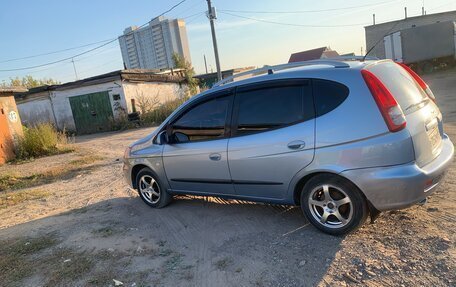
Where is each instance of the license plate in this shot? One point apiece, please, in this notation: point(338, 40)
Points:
point(434, 137)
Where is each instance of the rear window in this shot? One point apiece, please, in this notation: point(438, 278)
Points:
point(328, 95)
point(398, 81)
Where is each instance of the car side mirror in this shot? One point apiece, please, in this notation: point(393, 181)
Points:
point(162, 138)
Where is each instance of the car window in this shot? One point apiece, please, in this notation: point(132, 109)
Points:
point(272, 107)
point(204, 121)
point(328, 95)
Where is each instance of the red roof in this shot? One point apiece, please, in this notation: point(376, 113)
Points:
point(314, 54)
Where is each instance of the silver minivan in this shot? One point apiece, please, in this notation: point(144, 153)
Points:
point(342, 139)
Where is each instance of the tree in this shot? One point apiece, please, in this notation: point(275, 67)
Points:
point(181, 63)
point(29, 82)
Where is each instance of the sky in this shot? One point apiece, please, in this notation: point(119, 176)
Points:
point(30, 29)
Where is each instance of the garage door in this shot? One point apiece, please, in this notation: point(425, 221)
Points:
point(6, 150)
point(92, 112)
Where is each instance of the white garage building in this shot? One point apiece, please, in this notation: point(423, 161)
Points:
point(90, 105)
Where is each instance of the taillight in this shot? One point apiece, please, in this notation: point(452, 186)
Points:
point(390, 110)
point(420, 81)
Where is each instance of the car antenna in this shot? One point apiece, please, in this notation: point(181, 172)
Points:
point(375, 45)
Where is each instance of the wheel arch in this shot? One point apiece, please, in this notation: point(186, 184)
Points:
point(134, 172)
point(303, 180)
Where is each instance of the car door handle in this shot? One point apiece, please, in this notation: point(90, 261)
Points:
point(215, 156)
point(296, 145)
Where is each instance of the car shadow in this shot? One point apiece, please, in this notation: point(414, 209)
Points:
point(226, 242)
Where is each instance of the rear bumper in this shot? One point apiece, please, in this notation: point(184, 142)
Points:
point(396, 187)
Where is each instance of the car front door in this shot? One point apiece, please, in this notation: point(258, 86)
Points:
point(195, 159)
point(272, 137)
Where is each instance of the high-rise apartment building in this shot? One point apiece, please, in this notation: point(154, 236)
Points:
point(152, 46)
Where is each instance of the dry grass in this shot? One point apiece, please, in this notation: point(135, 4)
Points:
point(85, 160)
point(15, 181)
point(42, 140)
point(15, 263)
point(8, 199)
point(65, 266)
point(159, 114)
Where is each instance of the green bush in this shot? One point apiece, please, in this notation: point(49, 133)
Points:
point(42, 140)
point(159, 114)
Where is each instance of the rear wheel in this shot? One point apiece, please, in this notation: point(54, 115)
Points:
point(150, 189)
point(333, 204)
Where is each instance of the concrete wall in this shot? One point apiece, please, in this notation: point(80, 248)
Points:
point(375, 33)
point(38, 110)
point(151, 93)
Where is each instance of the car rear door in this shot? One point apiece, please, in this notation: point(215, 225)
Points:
point(424, 120)
point(272, 137)
point(195, 160)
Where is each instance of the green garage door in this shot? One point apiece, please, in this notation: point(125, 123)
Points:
point(92, 112)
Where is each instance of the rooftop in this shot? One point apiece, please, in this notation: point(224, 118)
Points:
point(224, 73)
point(314, 54)
point(8, 91)
point(132, 75)
point(412, 18)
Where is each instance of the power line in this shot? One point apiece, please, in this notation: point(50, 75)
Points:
point(54, 52)
point(61, 60)
point(306, 11)
point(88, 51)
point(295, 25)
point(195, 18)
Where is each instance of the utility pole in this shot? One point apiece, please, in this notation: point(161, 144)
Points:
point(373, 18)
point(205, 63)
point(405, 11)
point(74, 67)
point(211, 15)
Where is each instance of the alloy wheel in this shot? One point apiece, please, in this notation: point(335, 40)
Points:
point(330, 206)
point(149, 189)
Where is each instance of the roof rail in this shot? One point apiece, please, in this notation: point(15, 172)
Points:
point(354, 58)
point(271, 69)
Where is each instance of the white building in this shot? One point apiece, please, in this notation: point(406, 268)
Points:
point(93, 104)
point(152, 46)
point(376, 33)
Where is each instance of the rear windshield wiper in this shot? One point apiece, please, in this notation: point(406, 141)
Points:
point(416, 104)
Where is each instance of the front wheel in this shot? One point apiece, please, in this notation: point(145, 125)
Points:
point(333, 204)
point(150, 189)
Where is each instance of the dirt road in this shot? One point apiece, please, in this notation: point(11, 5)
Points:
point(90, 229)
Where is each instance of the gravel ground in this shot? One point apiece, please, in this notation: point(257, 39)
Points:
point(92, 229)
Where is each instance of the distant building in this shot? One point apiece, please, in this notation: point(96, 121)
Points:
point(376, 33)
point(314, 54)
point(208, 80)
point(152, 46)
point(94, 104)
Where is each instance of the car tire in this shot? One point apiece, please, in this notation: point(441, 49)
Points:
point(333, 204)
point(151, 190)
